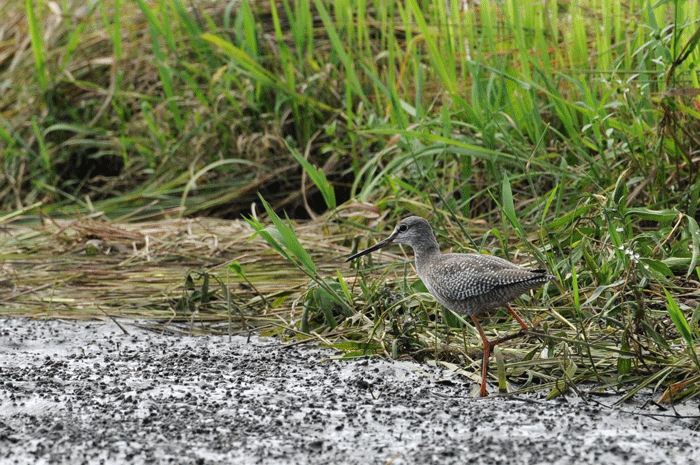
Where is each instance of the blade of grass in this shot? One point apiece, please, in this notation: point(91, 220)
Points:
point(682, 325)
point(317, 176)
point(38, 48)
point(694, 232)
point(158, 31)
point(352, 79)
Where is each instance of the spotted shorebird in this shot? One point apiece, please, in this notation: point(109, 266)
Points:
point(465, 283)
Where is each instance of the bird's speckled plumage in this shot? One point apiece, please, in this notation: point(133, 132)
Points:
point(473, 284)
point(465, 283)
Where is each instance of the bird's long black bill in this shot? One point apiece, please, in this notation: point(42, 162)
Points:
point(378, 245)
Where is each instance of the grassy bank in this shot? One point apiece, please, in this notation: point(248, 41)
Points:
point(558, 134)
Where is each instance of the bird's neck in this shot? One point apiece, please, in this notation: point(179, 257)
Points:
point(426, 253)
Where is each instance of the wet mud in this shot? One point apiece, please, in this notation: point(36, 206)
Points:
point(75, 392)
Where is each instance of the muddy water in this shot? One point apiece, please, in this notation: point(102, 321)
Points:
point(75, 392)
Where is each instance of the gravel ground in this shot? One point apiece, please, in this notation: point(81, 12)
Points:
point(74, 392)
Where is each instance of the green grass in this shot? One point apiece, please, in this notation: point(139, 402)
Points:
point(560, 134)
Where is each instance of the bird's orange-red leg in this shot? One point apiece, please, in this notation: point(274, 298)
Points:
point(515, 315)
point(488, 346)
point(485, 361)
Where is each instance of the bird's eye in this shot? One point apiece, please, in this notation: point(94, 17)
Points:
point(402, 227)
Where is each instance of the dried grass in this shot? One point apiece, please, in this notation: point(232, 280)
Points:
point(87, 268)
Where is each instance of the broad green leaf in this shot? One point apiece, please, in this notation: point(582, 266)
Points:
point(678, 319)
point(662, 216)
point(681, 324)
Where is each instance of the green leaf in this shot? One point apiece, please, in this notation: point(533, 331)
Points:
point(205, 288)
point(507, 199)
point(288, 238)
point(344, 287)
point(551, 197)
point(619, 196)
point(508, 207)
point(679, 320)
point(236, 267)
point(271, 236)
point(318, 177)
point(599, 290)
point(451, 319)
point(37, 45)
point(662, 216)
point(658, 267)
point(570, 217)
point(614, 229)
point(574, 285)
point(695, 238)
point(624, 358)
point(561, 386)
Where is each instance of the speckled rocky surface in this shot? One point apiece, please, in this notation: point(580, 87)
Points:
point(87, 393)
